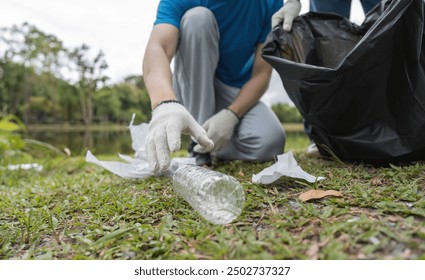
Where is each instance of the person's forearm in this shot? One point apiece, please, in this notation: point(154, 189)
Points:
point(157, 75)
point(251, 93)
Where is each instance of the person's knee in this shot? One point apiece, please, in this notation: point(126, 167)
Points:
point(272, 145)
point(264, 147)
point(197, 20)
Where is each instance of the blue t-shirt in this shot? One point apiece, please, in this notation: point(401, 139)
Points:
point(243, 24)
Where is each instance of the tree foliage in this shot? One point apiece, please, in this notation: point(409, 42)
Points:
point(287, 113)
point(11, 142)
point(33, 65)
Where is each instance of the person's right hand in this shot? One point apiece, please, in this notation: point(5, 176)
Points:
point(169, 121)
point(286, 15)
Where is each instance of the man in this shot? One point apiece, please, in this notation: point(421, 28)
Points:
point(218, 79)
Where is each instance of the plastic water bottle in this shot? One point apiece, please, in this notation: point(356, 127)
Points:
point(217, 197)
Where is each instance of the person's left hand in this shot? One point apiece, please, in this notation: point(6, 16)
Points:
point(290, 10)
point(219, 129)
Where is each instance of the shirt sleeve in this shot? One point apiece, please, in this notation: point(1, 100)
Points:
point(171, 12)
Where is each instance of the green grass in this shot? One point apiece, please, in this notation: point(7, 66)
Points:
point(75, 210)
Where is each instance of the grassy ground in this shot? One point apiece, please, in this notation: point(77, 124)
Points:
point(74, 210)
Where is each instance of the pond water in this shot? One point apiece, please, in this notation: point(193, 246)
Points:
point(112, 142)
point(79, 141)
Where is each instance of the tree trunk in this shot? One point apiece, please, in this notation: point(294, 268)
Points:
point(83, 106)
point(27, 99)
point(89, 107)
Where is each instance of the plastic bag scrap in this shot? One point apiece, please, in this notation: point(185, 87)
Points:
point(286, 165)
point(25, 166)
point(137, 167)
point(361, 88)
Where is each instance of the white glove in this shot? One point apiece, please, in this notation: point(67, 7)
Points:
point(169, 121)
point(290, 10)
point(220, 129)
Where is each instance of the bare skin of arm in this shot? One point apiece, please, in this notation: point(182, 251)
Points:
point(252, 91)
point(156, 63)
point(158, 77)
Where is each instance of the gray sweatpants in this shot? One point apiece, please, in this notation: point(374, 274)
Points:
point(259, 136)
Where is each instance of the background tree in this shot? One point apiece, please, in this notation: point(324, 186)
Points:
point(287, 113)
point(91, 78)
point(32, 84)
point(35, 52)
point(11, 87)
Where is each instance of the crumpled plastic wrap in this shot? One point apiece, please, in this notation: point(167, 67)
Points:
point(286, 165)
point(25, 166)
point(137, 167)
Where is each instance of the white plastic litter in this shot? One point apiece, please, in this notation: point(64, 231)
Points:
point(25, 166)
point(286, 165)
point(137, 167)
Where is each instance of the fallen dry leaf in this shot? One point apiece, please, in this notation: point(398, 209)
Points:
point(67, 151)
point(313, 251)
point(376, 181)
point(318, 194)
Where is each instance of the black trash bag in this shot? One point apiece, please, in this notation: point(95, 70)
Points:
point(361, 88)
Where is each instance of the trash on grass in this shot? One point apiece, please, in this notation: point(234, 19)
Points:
point(137, 167)
point(25, 166)
point(318, 194)
point(286, 165)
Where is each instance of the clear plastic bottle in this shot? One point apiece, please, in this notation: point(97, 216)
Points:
point(219, 198)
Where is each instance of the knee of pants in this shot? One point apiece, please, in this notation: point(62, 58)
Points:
point(266, 147)
point(196, 21)
point(272, 145)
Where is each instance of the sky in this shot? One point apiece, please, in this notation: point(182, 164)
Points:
point(119, 28)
